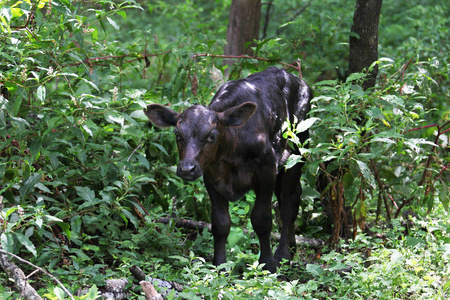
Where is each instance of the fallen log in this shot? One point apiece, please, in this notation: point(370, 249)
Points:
point(164, 286)
point(137, 273)
point(200, 225)
point(149, 291)
point(115, 289)
point(22, 283)
point(187, 224)
point(20, 280)
point(15, 273)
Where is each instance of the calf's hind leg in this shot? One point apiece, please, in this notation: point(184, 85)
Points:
point(288, 190)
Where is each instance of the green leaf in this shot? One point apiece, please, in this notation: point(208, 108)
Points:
point(113, 23)
point(29, 232)
point(90, 83)
point(314, 167)
point(79, 38)
point(394, 99)
point(81, 255)
point(143, 161)
point(130, 217)
point(161, 148)
point(88, 130)
point(293, 159)
point(412, 241)
point(123, 14)
point(66, 229)
point(75, 225)
point(7, 241)
point(93, 293)
point(351, 188)
point(18, 102)
point(314, 269)
point(374, 112)
point(5, 12)
point(383, 140)
point(355, 76)
point(325, 82)
point(29, 184)
point(236, 234)
point(25, 241)
point(88, 247)
point(51, 218)
point(59, 293)
point(366, 173)
point(259, 46)
point(446, 286)
point(396, 257)
point(182, 259)
point(19, 121)
point(16, 12)
point(10, 211)
point(41, 93)
point(305, 124)
point(446, 249)
point(86, 193)
point(39, 221)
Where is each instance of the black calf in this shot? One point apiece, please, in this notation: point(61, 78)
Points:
point(236, 143)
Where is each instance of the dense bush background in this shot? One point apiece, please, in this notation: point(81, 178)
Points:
point(85, 178)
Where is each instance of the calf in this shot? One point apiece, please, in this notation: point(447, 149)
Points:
point(236, 143)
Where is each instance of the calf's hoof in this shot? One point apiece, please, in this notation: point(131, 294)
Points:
point(281, 254)
point(270, 265)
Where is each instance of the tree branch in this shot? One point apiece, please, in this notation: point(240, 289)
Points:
point(145, 56)
point(267, 18)
point(298, 13)
point(289, 66)
point(29, 19)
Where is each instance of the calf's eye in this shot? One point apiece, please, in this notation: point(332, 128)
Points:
point(211, 138)
point(177, 135)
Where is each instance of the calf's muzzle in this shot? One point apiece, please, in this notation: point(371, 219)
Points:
point(189, 170)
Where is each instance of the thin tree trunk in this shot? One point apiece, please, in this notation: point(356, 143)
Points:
point(364, 49)
point(243, 27)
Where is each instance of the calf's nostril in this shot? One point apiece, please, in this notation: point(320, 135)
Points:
point(189, 170)
point(187, 167)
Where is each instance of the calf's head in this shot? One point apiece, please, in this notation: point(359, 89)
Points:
point(199, 131)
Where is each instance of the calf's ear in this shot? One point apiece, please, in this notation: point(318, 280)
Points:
point(161, 116)
point(238, 115)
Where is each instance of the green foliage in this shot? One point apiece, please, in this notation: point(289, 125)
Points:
point(84, 179)
point(365, 140)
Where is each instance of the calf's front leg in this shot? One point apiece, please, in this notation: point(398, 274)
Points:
point(221, 223)
point(262, 217)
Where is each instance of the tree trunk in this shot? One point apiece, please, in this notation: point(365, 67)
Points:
point(243, 27)
point(364, 50)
